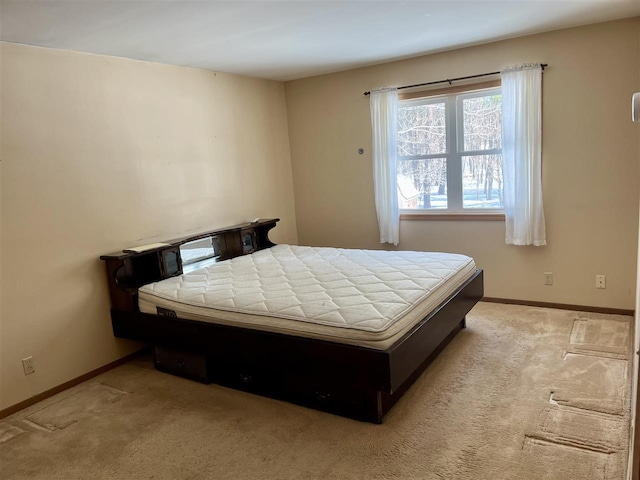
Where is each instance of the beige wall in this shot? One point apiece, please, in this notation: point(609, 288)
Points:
point(590, 163)
point(101, 153)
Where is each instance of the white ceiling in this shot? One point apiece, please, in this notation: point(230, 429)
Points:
point(285, 40)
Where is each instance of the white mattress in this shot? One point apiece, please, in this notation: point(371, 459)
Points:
point(360, 297)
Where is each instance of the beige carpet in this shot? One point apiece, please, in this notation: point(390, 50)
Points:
point(522, 393)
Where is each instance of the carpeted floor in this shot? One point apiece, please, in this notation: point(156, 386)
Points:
point(523, 393)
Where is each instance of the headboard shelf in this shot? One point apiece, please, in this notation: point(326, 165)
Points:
point(127, 271)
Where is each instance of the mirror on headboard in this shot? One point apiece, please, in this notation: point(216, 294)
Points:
point(199, 253)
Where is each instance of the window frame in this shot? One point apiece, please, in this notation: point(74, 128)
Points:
point(454, 151)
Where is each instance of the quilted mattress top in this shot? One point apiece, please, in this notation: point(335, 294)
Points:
point(366, 290)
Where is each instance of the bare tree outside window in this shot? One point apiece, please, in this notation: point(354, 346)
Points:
point(482, 131)
point(422, 132)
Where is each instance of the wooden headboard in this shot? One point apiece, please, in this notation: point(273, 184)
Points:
point(128, 271)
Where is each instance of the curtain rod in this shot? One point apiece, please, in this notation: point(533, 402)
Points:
point(449, 80)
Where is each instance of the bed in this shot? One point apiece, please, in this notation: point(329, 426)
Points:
point(344, 331)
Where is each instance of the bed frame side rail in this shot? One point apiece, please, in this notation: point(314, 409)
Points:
point(413, 352)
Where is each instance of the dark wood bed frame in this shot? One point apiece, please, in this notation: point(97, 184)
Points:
point(356, 382)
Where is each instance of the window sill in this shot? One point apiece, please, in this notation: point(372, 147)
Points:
point(453, 216)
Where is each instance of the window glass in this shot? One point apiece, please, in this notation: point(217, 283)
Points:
point(422, 183)
point(482, 122)
point(482, 181)
point(422, 129)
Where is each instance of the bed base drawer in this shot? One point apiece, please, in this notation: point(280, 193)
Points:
point(356, 403)
point(182, 364)
point(353, 402)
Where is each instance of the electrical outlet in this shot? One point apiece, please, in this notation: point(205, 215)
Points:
point(27, 366)
point(601, 281)
point(548, 278)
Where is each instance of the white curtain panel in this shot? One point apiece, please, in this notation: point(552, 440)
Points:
point(522, 154)
point(384, 123)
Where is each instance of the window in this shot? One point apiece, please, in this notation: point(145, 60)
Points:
point(450, 153)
